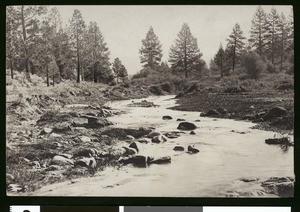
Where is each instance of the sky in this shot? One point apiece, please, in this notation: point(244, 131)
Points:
point(124, 27)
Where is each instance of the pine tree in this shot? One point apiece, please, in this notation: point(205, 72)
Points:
point(219, 59)
point(97, 50)
point(116, 67)
point(150, 51)
point(185, 54)
point(123, 73)
point(77, 29)
point(29, 29)
point(258, 31)
point(11, 37)
point(236, 43)
point(283, 39)
point(271, 35)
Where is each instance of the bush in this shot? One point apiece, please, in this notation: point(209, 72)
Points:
point(270, 67)
point(254, 65)
point(156, 89)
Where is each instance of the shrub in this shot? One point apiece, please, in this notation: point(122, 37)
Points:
point(270, 67)
point(254, 65)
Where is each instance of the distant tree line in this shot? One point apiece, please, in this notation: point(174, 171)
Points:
point(38, 43)
point(270, 47)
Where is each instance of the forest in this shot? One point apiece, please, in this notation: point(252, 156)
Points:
point(38, 43)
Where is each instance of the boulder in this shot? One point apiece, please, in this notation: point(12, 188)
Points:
point(178, 148)
point(55, 135)
point(91, 119)
point(186, 126)
point(134, 146)
point(210, 113)
point(89, 162)
point(159, 139)
point(61, 161)
point(160, 160)
point(281, 186)
point(179, 119)
point(129, 151)
point(192, 149)
point(167, 118)
point(274, 113)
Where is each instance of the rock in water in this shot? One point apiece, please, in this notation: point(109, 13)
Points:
point(153, 134)
point(192, 133)
point(192, 149)
point(186, 126)
point(278, 141)
point(61, 161)
point(178, 148)
point(137, 160)
point(179, 119)
point(167, 118)
point(275, 112)
point(134, 146)
point(159, 139)
point(129, 151)
point(161, 160)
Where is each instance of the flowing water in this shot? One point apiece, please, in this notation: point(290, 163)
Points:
point(229, 150)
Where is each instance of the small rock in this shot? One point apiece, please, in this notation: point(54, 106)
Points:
point(61, 161)
point(159, 139)
point(178, 148)
point(179, 119)
point(192, 133)
point(186, 126)
point(84, 139)
point(17, 188)
point(87, 152)
point(210, 113)
point(130, 137)
point(167, 118)
point(46, 131)
point(153, 134)
point(249, 179)
point(55, 135)
point(144, 140)
point(89, 162)
point(192, 149)
point(197, 120)
point(172, 135)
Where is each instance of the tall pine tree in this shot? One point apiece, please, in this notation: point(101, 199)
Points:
point(258, 31)
point(77, 27)
point(236, 43)
point(151, 51)
point(185, 54)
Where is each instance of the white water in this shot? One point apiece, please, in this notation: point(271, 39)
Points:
point(224, 157)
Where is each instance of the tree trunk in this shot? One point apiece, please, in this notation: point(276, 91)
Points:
point(78, 63)
point(53, 79)
point(185, 61)
point(95, 72)
point(47, 71)
point(25, 46)
point(233, 58)
point(11, 69)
